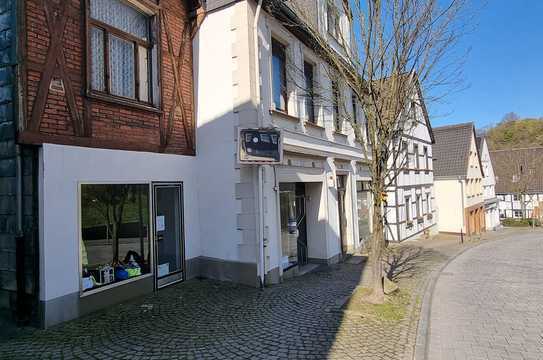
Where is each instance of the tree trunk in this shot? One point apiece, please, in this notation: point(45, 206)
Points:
point(377, 248)
point(115, 241)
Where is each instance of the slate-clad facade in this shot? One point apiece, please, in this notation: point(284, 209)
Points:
point(18, 201)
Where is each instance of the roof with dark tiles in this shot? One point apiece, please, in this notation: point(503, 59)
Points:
point(518, 170)
point(451, 149)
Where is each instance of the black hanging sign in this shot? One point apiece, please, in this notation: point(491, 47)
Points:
point(260, 146)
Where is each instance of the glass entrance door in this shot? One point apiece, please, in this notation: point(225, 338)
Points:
point(341, 189)
point(363, 207)
point(168, 213)
point(293, 225)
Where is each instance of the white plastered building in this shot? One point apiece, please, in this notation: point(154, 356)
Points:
point(245, 210)
point(492, 211)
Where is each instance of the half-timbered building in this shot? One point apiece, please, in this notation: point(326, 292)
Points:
point(99, 142)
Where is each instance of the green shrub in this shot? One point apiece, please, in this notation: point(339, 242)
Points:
point(520, 222)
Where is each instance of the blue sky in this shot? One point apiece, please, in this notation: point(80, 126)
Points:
point(504, 70)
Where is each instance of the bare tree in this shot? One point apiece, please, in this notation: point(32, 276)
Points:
point(109, 201)
point(391, 50)
point(509, 117)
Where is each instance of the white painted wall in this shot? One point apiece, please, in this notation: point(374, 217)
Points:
point(492, 217)
point(214, 75)
point(317, 220)
point(449, 202)
point(62, 168)
point(489, 180)
point(474, 178)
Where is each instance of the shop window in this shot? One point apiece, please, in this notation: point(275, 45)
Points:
point(115, 242)
point(122, 55)
point(279, 76)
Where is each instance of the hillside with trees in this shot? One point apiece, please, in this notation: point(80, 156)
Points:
point(513, 132)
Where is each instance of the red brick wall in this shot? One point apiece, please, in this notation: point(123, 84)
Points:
point(108, 125)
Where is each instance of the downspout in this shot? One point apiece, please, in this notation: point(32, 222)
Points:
point(260, 243)
point(463, 209)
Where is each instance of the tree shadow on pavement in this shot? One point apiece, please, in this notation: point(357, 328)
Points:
point(406, 261)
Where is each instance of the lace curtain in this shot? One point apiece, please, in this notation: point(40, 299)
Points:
point(121, 63)
point(121, 57)
point(121, 16)
point(97, 60)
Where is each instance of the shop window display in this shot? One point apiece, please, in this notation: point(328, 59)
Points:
point(115, 242)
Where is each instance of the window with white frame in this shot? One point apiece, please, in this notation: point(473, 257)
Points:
point(408, 208)
point(426, 163)
point(354, 107)
point(404, 158)
point(418, 206)
point(309, 74)
point(123, 60)
point(333, 20)
point(336, 103)
point(416, 155)
point(279, 76)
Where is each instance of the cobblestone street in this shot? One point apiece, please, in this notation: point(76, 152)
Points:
point(487, 303)
point(301, 318)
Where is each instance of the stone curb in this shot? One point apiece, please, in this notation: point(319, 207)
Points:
point(423, 328)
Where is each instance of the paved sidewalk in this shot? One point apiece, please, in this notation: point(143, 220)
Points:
point(203, 319)
point(488, 302)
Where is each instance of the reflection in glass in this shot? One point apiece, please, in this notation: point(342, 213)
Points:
point(115, 242)
point(289, 225)
point(363, 203)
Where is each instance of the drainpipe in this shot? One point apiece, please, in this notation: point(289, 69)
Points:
point(19, 190)
point(260, 243)
point(463, 210)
